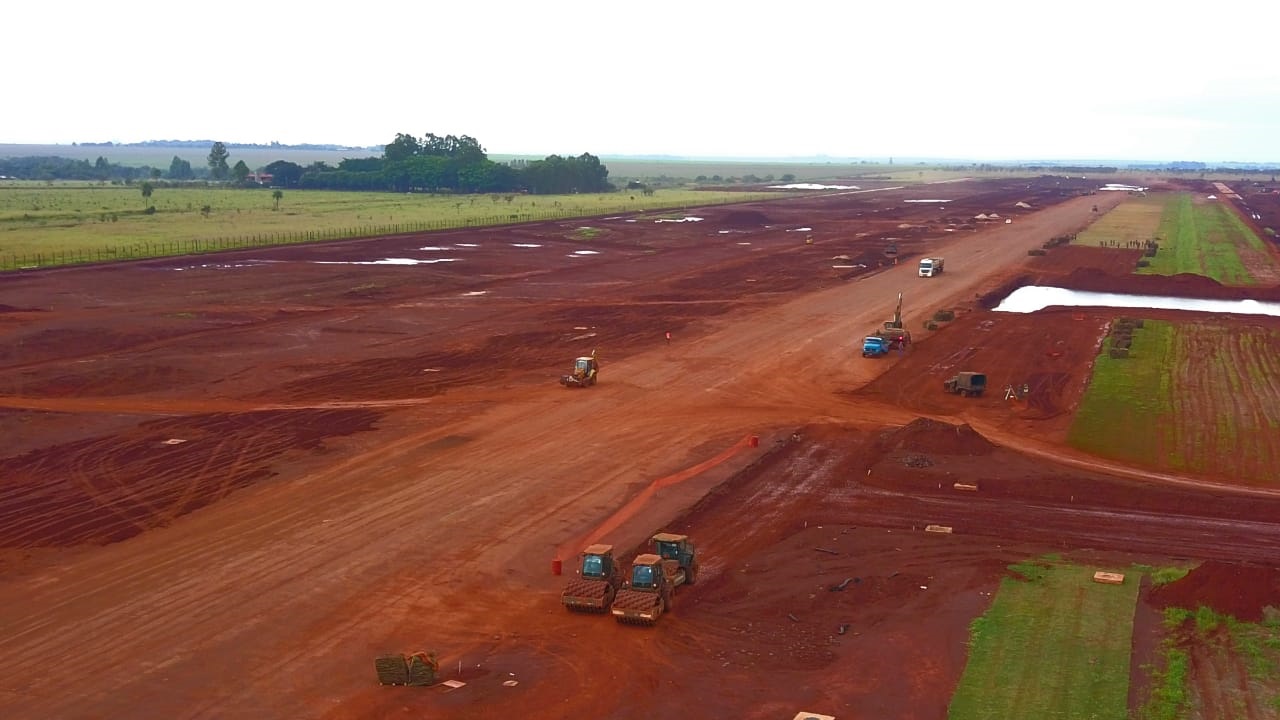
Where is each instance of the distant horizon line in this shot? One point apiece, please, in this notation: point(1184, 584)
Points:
point(819, 158)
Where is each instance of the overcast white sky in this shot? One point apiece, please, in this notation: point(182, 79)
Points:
point(1084, 79)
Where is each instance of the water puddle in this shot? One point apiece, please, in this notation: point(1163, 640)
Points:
point(813, 186)
point(927, 201)
point(1118, 187)
point(431, 248)
point(1030, 298)
point(526, 245)
point(386, 261)
point(683, 219)
point(224, 266)
point(584, 253)
point(468, 245)
point(804, 229)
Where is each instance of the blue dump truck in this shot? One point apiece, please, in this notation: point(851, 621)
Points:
point(874, 346)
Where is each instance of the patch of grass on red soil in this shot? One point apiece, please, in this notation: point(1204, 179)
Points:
point(1053, 644)
point(1187, 397)
point(1125, 411)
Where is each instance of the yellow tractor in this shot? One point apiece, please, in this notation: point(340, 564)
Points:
point(654, 579)
point(584, 372)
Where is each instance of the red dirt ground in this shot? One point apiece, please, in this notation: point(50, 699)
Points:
point(379, 459)
point(1235, 589)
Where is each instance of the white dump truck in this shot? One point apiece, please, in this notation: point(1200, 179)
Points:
point(930, 267)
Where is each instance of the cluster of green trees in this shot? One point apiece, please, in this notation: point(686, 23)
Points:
point(446, 164)
point(103, 170)
point(454, 164)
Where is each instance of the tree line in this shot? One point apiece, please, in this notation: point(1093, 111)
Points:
point(446, 163)
point(48, 167)
point(432, 163)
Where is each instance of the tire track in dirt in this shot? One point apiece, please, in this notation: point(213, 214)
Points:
point(195, 479)
point(269, 525)
point(100, 497)
point(183, 338)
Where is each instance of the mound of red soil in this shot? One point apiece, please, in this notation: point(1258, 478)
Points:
point(1239, 590)
point(924, 435)
point(1180, 285)
point(744, 219)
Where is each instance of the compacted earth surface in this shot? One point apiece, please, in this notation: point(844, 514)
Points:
point(229, 482)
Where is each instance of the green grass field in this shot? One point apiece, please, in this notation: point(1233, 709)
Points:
point(1192, 397)
point(1135, 220)
point(59, 224)
point(1205, 238)
point(1054, 644)
point(1125, 411)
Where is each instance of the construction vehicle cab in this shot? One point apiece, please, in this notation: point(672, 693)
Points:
point(966, 384)
point(646, 574)
point(670, 546)
point(584, 372)
point(597, 561)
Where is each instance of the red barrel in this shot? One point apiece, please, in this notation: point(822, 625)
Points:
point(753, 441)
point(555, 566)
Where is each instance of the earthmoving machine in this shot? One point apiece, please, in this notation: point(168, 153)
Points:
point(654, 579)
point(965, 384)
point(584, 372)
point(893, 332)
point(597, 582)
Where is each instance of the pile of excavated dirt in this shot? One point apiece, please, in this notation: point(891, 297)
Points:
point(1235, 589)
point(1181, 285)
point(924, 435)
point(744, 219)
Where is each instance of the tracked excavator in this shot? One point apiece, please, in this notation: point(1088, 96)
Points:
point(893, 332)
point(597, 582)
point(654, 579)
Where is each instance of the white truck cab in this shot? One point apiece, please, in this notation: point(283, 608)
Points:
point(930, 267)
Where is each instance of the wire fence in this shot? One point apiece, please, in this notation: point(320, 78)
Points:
point(195, 246)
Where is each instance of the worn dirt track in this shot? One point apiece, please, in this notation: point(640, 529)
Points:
point(378, 459)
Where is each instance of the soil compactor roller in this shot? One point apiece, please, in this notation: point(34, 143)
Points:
point(654, 579)
point(597, 582)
